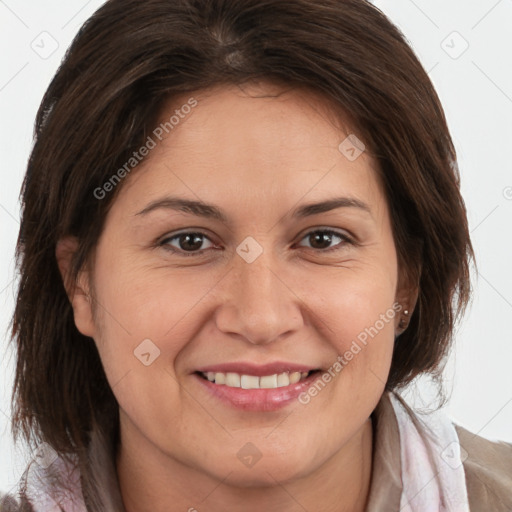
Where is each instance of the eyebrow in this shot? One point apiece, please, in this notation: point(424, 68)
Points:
point(211, 211)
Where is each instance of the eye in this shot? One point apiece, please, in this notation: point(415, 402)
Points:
point(187, 243)
point(321, 237)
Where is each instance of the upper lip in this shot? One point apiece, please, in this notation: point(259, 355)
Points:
point(246, 368)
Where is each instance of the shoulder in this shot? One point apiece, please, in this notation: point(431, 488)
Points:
point(488, 469)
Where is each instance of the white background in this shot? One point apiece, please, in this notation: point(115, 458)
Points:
point(476, 91)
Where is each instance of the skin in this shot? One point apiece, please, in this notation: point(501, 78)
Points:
point(257, 155)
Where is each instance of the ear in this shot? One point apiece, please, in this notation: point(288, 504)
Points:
point(77, 291)
point(406, 296)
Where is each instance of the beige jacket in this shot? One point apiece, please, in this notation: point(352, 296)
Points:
point(488, 470)
point(488, 467)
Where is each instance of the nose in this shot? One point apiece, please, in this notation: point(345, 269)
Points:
point(258, 302)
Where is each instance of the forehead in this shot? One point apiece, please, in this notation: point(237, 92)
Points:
point(252, 146)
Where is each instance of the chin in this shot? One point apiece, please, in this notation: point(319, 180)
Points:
point(266, 471)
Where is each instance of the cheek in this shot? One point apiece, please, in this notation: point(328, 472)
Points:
point(356, 310)
point(149, 317)
point(141, 302)
point(360, 313)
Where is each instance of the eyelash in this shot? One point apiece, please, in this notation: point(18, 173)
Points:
point(165, 242)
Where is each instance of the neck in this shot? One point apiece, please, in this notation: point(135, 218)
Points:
point(150, 480)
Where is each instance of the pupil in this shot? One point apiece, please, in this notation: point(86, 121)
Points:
point(196, 239)
point(317, 236)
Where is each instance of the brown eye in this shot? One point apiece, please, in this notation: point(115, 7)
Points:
point(186, 242)
point(321, 239)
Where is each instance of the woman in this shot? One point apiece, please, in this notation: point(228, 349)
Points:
point(242, 233)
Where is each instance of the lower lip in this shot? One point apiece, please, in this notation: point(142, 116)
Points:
point(258, 399)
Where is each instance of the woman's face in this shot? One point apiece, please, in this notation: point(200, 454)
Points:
point(263, 282)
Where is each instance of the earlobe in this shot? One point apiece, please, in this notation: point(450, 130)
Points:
point(78, 291)
point(406, 297)
point(404, 314)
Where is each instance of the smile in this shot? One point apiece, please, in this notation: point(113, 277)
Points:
point(237, 380)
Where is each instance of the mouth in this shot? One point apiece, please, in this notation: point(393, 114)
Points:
point(247, 381)
point(273, 388)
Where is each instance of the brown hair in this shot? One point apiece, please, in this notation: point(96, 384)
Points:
point(128, 59)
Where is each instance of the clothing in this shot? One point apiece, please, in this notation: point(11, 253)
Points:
point(418, 466)
point(432, 476)
point(487, 465)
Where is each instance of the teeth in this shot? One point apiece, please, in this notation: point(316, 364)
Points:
point(294, 377)
point(235, 380)
point(283, 379)
point(232, 380)
point(249, 382)
point(268, 382)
